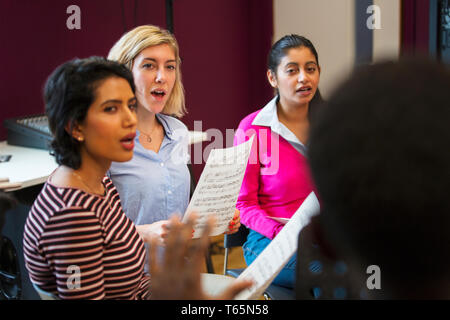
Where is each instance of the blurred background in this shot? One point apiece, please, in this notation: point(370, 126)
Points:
point(223, 44)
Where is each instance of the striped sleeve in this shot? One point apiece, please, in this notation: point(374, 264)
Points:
point(72, 243)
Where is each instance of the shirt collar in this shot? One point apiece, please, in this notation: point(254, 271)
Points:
point(268, 117)
point(168, 130)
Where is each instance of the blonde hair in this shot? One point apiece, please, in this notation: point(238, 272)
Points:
point(133, 42)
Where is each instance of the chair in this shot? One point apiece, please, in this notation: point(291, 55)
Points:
point(44, 295)
point(273, 292)
point(10, 277)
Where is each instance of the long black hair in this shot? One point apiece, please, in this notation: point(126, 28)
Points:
point(279, 50)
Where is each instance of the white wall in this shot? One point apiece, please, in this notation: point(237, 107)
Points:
point(329, 26)
point(386, 41)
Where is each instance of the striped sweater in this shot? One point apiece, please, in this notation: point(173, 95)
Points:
point(79, 245)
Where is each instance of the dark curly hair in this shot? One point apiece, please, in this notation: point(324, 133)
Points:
point(380, 157)
point(68, 94)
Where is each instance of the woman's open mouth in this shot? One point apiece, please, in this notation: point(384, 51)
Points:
point(158, 94)
point(304, 91)
point(128, 141)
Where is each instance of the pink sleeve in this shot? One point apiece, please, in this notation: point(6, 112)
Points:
point(252, 215)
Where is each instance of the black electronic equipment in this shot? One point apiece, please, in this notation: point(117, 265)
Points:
point(29, 131)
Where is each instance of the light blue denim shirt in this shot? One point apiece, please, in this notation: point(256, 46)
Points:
point(152, 185)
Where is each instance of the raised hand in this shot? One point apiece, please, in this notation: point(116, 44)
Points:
point(177, 277)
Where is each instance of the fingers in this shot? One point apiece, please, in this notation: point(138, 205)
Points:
point(200, 247)
point(234, 289)
point(210, 222)
point(153, 264)
point(175, 244)
point(191, 221)
point(235, 223)
point(237, 217)
point(178, 240)
point(164, 231)
point(178, 277)
point(233, 229)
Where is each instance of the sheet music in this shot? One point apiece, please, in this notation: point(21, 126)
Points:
point(218, 187)
point(270, 262)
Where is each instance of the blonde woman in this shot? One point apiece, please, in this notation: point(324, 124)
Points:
point(156, 182)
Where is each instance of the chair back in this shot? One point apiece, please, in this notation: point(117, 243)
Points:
point(236, 239)
point(10, 278)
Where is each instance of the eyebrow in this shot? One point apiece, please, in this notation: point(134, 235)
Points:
point(296, 64)
point(154, 60)
point(118, 101)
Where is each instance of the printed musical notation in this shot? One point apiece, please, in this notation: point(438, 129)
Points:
point(269, 263)
point(218, 187)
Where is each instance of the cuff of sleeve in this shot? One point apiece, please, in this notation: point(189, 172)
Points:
point(277, 229)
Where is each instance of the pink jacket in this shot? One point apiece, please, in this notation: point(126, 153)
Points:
point(275, 184)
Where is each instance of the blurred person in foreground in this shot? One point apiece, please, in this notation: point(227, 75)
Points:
point(380, 156)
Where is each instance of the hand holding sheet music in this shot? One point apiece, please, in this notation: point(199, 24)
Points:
point(218, 188)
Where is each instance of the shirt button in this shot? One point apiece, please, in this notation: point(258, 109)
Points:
point(169, 192)
point(162, 164)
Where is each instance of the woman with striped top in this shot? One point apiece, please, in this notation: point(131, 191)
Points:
point(78, 243)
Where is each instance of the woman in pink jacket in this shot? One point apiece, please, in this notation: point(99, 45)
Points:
point(278, 179)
